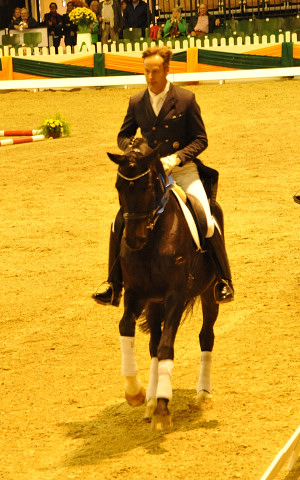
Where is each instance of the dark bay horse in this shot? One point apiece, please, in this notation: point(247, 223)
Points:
point(162, 274)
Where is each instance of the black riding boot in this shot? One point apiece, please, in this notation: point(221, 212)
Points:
point(110, 291)
point(215, 246)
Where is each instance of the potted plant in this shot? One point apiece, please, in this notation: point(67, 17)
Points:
point(84, 18)
point(54, 127)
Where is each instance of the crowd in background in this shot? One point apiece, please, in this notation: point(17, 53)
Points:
point(112, 17)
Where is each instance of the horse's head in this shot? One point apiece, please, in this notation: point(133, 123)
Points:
point(139, 187)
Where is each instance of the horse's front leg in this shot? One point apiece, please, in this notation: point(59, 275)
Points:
point(174, 305)
point(134, 391)
point(210, 311)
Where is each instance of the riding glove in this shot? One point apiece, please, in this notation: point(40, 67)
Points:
point(170, 162)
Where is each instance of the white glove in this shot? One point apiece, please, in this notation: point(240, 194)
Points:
point(170, 162)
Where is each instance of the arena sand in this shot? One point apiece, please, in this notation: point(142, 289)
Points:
point(63, 415)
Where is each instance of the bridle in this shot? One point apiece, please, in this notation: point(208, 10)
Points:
point(154, 214)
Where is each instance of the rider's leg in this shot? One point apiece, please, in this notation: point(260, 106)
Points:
point(188, 178)
point(110, 292)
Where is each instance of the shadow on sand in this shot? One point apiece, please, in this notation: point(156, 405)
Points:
point(121, 428)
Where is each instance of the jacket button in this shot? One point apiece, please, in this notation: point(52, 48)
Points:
point(153, 128)
point(166, 126)
point(155, 141)
point(166, 140)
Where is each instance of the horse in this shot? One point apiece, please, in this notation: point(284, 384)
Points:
point(163, 274)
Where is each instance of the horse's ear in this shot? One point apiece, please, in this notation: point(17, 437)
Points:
point(118, 159)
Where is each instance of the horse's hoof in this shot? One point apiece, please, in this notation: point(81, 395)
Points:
point(150, 409)
point(204, 400)
point(136, 400)
point(161, 423)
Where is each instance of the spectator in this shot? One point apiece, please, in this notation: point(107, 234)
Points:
point(16, 18)
point(53, 21)
point(110, 20)
point(124, 4)
point(176, 25)
point(137, 15)
point(94, 5)
point(26, 21)
point(203, 23)
point(68, 28)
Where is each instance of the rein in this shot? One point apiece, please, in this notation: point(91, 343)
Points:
point(160, 204)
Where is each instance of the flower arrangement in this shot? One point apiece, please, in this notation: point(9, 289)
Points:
point(83, 17)
point(55, 127)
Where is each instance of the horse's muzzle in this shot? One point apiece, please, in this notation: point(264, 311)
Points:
point(135, 243)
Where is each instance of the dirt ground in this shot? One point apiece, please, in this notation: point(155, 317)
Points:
point(62, 410)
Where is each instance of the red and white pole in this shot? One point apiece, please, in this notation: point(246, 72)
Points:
point(13, 141)
point(18, 133)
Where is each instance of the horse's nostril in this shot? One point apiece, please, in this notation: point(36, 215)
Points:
point(136, 243)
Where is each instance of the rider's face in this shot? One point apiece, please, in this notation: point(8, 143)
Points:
point(155, 73)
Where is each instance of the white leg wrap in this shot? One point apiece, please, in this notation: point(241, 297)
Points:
point(129, 366)
point(204, 382)
point(164, 387)
point(153, 379)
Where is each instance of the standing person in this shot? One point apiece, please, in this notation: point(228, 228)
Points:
point(95, 29)
point(169, 115)
point(110, 19)
point(176, 25)
point(123, 7)
point(53, 21)
point(68, 28)
point(203, 23)
point(136, 15)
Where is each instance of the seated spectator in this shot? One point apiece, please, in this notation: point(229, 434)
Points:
point(68, 28)
point(110, 20)
point(26, 21)
point(176, 25)
point(16, 18)
point(137, 15)
point(53, 21)
point(95, 30)
point(203, 23)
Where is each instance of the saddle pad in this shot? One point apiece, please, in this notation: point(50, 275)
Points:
point(189, 219)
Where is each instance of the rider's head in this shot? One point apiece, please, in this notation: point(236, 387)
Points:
point(156, 67)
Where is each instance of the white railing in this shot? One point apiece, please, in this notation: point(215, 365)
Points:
point(137, 47)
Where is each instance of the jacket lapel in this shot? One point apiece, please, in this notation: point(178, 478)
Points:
point(169, 103)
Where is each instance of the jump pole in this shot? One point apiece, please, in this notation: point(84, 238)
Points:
point(13, 141)
point(18, 133)
point(290, 450)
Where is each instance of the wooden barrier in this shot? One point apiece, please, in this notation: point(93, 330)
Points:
point(290, 451)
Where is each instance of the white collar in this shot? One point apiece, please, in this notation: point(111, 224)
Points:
point(162, 94)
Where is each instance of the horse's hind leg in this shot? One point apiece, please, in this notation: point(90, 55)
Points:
point(134, 391)
point(210, 310)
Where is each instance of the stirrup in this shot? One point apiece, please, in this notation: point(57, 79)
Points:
point(223, 292)
point(110, 296)
point(296, 198)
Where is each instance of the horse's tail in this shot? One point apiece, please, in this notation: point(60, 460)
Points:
point(187, 312)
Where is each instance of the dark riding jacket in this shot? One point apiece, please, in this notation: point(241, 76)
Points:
point(178, 127)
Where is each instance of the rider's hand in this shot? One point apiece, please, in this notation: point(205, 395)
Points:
point(170, 162)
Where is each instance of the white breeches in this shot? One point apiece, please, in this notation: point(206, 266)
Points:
point(187, 178)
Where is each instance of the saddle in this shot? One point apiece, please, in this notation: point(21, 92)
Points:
point(194, 215)
point(198, 223)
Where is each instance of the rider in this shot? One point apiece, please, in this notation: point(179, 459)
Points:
point(170, 116)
